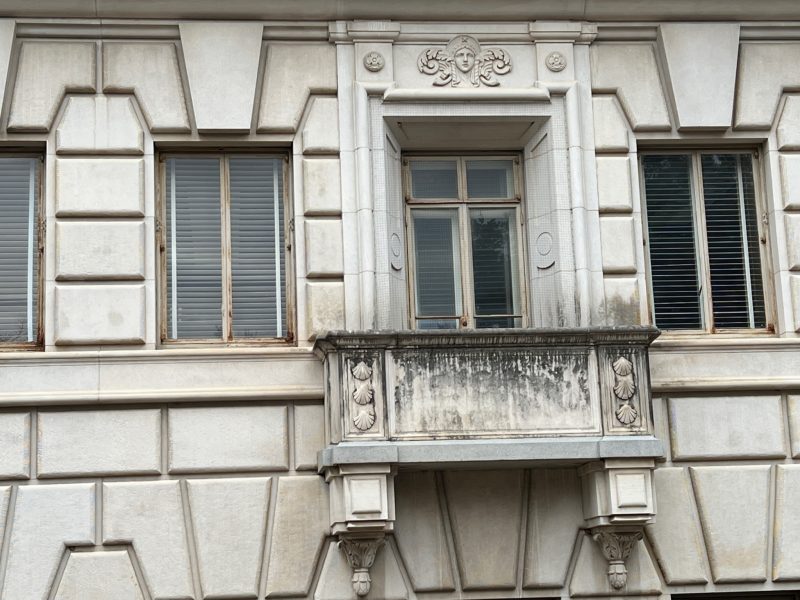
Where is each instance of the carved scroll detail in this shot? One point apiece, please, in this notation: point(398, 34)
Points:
point(624, 390)
point(463, 63)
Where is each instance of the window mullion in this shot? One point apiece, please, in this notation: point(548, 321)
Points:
point(745, 249)
point(31, 249)
point(173, 234)
point(467, 283)
point(701, 249)
point(227, 291)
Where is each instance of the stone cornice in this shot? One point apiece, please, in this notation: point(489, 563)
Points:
point(445, 10)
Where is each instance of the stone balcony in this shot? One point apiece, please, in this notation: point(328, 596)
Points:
point(489, 399)
point(530, 395)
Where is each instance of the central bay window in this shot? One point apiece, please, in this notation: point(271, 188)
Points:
point(464, 224)
point(703, 240)
point(223, 248)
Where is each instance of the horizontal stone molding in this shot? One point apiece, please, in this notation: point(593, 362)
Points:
point(42, 379)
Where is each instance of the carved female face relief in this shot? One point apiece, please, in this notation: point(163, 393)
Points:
point(465, 60)
point(463, 63)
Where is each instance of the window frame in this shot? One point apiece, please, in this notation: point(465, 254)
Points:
point(462, 206)
point(289, 285)
point(701, 240)
point(41, 226)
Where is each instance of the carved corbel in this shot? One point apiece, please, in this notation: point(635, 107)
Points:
point(360, 553)
point(616, 547)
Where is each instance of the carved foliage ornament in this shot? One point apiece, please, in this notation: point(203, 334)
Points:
point(624, 390)
point(463, 63)
point(363, 393)
point(360, 554)
point(616, 548)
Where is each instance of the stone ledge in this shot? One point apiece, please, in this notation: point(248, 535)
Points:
point(491, 453)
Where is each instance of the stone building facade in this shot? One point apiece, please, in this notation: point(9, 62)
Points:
point(354, 299)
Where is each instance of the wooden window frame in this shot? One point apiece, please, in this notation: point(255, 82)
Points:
point(40, 225)
point(701, 241)
point(462, 205)
point(227, 287)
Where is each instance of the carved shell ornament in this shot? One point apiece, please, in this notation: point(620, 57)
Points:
point(463, 63)
point(624, 390)
point(363, 392)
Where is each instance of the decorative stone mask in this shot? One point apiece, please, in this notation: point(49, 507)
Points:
point(464, 64)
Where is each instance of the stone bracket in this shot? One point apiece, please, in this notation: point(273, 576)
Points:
point(618, 492)
point(360, 553)
point(616, 546)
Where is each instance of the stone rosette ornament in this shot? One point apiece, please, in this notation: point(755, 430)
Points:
point(463, 63)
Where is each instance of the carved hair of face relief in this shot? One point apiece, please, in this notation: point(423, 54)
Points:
point(465, 59)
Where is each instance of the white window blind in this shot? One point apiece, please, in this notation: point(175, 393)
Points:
point(705, 256)
point(225, 264)
point(19, 249)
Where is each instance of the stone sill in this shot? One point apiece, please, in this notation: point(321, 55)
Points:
point(491, 453)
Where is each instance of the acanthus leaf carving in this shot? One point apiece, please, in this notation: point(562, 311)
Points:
point(464, 63)
point(360, 554)
point(616, 548)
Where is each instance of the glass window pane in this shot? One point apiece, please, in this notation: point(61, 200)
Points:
point(194, 255)
point(495, 266)
point(437, 263)
point(257, 261)
point(490, 179)
point(671, 241)
point(19, 264)
point(734, 266)
point(434, 179)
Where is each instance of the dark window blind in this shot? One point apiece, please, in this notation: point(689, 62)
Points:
point(493, 265)
point(436, 259)
point(19, 264)
point(671, 240)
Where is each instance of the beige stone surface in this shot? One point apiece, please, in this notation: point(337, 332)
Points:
point(222, 66)
point(676, 537)
point(47, 518)
point(387, 581)
point(623, 305)
point(300, 525)
point(555, 515)
point(228, 438)
point(292, 73)
point(99, 576)
point(229, 517)
point(6, 44)
point(324, 250)
point(794, 290)
point(793, 407)
point(45, 72)
point(15, 440)
point(786, 550)
point(321, 131)
point(792, 224)
point(98, 250)
point(420, 525)
point(99, 125)
point(99, 314)
point(321, 187)
point(610, 125)
point(309, 435)
point(788, 131)
point(735, 523)
point(117, 188)
point(325, 306)
point(150, 516)
point(790, 178)
point(701, 88)
point(618, 244)
point(475, 528)
point(151, 72)
point(631, 71)
point(99, 442)
point(590, 579)
point(614, 184)
point(765, 71)
point(726, 427)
